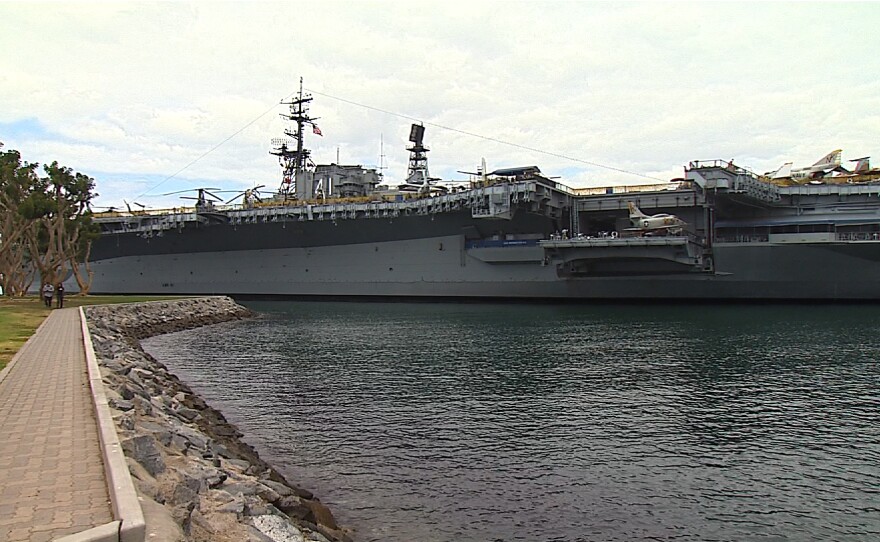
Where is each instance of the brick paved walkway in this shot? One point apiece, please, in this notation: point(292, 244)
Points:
point(52, 479)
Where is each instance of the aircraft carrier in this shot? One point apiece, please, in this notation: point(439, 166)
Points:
point(721, 232)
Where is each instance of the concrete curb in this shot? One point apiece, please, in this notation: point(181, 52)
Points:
point(109, 532)
point(129, 525)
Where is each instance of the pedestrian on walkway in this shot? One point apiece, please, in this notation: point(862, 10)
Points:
point(59, 292)
point(48, 292)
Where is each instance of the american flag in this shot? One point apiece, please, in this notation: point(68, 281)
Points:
point(317, 130)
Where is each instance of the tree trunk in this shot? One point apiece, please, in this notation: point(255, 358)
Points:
point(13, 245)
point(84, 283)
point(19, 272)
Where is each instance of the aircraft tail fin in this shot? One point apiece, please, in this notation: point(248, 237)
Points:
point(830, 159)
point(635, 212)
point(863, 165)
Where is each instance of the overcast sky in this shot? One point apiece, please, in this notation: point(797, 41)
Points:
point(132, 93)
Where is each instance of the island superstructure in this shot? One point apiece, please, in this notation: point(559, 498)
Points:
point(720, 232)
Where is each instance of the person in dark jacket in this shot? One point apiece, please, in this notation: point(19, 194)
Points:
point(59, 293)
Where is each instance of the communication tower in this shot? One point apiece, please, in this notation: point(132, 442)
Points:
point(417, 172)
point(292, 155)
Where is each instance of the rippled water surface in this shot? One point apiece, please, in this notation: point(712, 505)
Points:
point(446, 422)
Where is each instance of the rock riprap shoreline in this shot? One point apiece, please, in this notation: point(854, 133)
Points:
point(197, 480)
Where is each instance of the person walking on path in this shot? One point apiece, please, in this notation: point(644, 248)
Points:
point(59, 291)
point(48, 292)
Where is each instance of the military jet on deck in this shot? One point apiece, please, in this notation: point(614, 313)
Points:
point(659, 224)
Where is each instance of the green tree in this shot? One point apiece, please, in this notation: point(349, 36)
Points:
point(18, 183)
point(46, 225)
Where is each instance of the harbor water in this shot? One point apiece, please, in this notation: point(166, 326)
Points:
point(494, 422)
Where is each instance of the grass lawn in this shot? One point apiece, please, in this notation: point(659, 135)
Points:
point(21, 316)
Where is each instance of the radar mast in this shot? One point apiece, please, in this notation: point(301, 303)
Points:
point(292, 155)
point(417, 172)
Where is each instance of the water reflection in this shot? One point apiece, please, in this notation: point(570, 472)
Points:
point(499, 422)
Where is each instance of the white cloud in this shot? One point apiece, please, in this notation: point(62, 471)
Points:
point(143, 89)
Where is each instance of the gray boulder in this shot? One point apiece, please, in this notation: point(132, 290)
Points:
point(143, 449)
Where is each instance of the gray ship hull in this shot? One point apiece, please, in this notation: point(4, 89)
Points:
point(445, 267)
point(531, 239)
